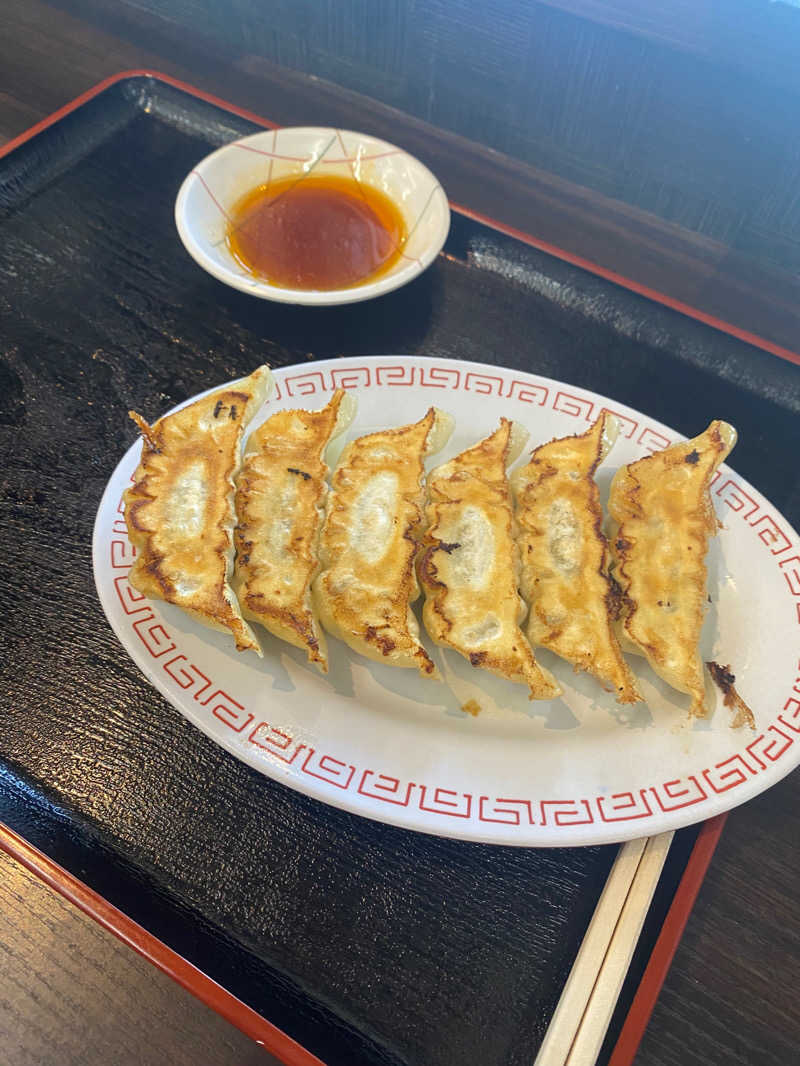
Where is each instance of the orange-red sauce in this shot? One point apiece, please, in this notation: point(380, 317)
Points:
point(316, 232)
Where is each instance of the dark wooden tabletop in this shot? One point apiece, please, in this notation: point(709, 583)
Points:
point(70, 993)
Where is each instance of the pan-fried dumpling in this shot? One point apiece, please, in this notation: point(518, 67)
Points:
point(573, 603)
point(469, 565)
point(369, 543)
point(664, 516)
point(180, 509)
point(280, 504)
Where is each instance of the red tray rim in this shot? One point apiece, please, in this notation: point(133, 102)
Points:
point(219, 999)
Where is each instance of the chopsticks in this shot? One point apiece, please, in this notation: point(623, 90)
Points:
point(579, 1023)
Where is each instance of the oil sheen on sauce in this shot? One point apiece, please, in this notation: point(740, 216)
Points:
point(316, 232)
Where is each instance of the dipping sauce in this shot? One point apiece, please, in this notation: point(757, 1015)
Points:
point(316, 232)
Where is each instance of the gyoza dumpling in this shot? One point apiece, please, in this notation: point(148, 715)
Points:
point(369, 543)
point(180, 509)
point(565, 560)
point(664, 516)
point(469, 565)
point(280, 505)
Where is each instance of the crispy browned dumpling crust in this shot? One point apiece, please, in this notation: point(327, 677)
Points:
point(369, 542)
point(565, 559)
point(664, 516)
point(280, 505)
point(180, 510)
point(469, 566)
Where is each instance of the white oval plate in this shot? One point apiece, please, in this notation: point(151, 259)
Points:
point(210, 192)
point(389, 745)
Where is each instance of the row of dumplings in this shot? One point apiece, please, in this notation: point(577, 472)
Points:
point(507, 564)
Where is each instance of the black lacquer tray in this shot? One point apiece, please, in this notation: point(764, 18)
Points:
point(365, 943)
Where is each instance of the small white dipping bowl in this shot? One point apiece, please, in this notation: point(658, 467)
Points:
point(211, 191)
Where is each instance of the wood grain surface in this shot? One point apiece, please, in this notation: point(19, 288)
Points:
point(69, 993)
point(731, 995)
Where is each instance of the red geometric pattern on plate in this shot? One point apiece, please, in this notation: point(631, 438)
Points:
point(769, 747)
point(506, 811)
point(624, 806)
point(793, 705)
point(123, 554)
point(483, 383)
point(273, 740)
point(794, 725)
point(445, 801)
point(401, 374)
point(772, 535)
point(354, 377)
point(672, 798)
point(325, 767)
point(791, 573)
point(627, 426)
point(653, 440)
point(120, 526)
point(731, 493)
point(439, 377)
point(154, 637)
point(131, 599)
point(305, 384)
point(188, 677)
point(730, 773)
point(567, 404)
point(566, 812)
point(222, 705)
point(234, 717)
point(527, 393)
point(384, 788)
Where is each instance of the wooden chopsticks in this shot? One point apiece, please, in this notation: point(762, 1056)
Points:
point(579, 1023)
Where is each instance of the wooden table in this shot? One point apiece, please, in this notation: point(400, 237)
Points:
point(68, 991)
